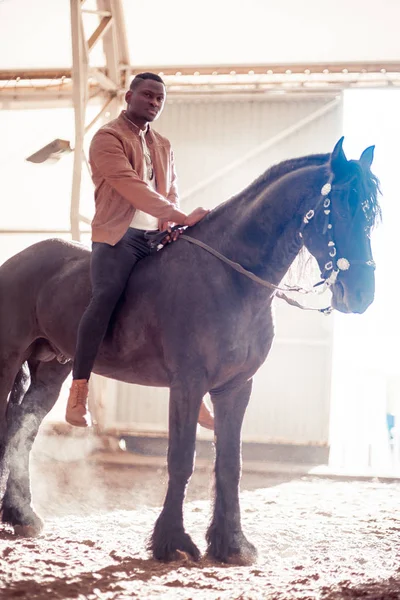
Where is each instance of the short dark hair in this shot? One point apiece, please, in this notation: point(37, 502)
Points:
point(142, 76)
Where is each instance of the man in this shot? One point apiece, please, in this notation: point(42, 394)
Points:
point(135, 191)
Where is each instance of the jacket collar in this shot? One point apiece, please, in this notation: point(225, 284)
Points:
point(131, 125)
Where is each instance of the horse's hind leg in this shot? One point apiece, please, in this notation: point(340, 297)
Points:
point(18, 390)
point(225, 538)
point(169, 536)
point(46, 381)
point(10, 382)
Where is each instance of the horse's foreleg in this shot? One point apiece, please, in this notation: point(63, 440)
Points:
point(46, 382)
point(225, 538)
point(169, 536)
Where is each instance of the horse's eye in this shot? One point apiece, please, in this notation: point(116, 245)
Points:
point(342, 207)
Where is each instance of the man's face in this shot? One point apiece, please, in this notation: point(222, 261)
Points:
point(146, 101)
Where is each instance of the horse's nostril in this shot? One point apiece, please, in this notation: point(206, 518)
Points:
point(339, 290)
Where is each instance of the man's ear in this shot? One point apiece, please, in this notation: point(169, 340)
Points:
point(339, 161)
point(367, 157)
point(128, 96)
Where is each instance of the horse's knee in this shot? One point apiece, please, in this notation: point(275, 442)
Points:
point(180, 475)
point(181, 463)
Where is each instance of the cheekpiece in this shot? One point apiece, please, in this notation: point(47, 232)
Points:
point(343, 264)
point(326, 189)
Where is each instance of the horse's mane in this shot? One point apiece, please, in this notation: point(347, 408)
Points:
point(282, 168)
point(269, 176)
point(371, 206)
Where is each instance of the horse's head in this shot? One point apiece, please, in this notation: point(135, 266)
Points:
point(338, 231)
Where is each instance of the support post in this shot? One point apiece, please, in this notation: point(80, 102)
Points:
point(111, 31)
point(80, 63)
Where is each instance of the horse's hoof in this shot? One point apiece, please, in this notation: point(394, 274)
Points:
point(177, 554)
point(174, 547)
point(28, 531)
point(239, 551)
point(238, 559)
point(244, 558)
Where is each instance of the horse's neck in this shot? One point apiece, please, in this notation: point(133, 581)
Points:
point(261, 232)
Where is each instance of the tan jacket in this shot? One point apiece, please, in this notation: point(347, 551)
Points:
point(116, 160)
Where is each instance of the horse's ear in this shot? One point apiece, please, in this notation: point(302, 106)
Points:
point(367, 157)
point(338, 160)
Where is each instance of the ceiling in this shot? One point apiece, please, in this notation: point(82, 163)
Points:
point(177, 32)
point(223, 47)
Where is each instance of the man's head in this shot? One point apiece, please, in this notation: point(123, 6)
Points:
point(145, 98)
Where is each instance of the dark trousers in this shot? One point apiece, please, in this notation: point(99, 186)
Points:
point(110, 267)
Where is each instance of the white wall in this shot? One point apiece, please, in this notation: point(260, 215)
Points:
point(37, 196)
point(366, 364)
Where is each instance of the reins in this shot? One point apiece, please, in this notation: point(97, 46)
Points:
point(279, 291)
point(331, 268)
point(238, 267)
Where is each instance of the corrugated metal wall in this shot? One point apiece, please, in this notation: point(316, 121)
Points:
point(290, 401)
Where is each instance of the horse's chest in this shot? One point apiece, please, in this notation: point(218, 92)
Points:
point(246, 346)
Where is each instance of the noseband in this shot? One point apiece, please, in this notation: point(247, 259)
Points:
point(333, 265)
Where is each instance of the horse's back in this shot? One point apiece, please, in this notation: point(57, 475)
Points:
point(40, 259)
point(24, 278)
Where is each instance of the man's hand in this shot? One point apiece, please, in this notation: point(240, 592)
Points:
point(171, 236)
point(195, 216)
point(166, 225)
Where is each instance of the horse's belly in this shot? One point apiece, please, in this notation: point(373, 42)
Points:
point(141, 364)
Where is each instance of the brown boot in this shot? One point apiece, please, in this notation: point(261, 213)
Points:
point(77, 413)
point(206, 418)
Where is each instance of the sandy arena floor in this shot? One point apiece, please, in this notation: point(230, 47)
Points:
point(317, 538)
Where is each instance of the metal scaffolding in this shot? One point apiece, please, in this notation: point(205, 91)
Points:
point(111, 31)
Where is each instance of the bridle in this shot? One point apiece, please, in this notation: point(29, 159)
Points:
point(333, 265)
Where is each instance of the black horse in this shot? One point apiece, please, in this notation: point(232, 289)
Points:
point(187, 321)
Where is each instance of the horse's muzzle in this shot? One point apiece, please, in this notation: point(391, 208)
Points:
point(353, 295)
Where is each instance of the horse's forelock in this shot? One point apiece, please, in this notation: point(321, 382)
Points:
point(373, 191)
point(370, 198)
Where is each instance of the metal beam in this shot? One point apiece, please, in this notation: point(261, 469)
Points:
point(100, 31)
point(80, 64)
point(111, 50)
point(101, 112)
point(277, 68)
point(108, 79)
point(105, 82)
point(382, 67)
point(199, 81)
point(122, 42)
